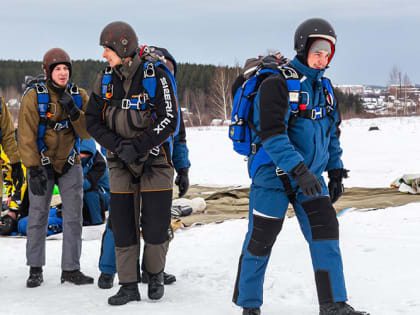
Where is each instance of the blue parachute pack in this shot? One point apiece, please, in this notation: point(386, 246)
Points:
point(45, 113)
point(256, 70)
point(153, 60)
point(55, 223)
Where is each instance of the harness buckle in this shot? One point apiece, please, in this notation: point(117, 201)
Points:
point(45, 160)
point(59, 126)
point(70, 160)
point(294, 97)
point(125, 103)
point(149, 72)
point(254, 148)
point(143, 98)
point(316, 113)
point(279, 172)
point(108, 70)
point(155, 151)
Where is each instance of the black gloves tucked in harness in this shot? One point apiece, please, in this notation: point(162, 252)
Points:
point(335, 185)
point(37, 181)
point(17, 175)
point(307, 181)
point(127, 151)
point(70, 107)
point(182, 181)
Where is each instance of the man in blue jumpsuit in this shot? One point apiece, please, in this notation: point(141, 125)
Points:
point(302, 145)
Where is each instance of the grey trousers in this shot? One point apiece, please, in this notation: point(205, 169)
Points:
point(71, 193)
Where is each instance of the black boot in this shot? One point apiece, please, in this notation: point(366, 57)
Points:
point(127, 293)
point(251, 311)
point(35, 277)
point(167, 278)
point(338, 308)
point(76, 277)
point(155, 288)
point(106, 281)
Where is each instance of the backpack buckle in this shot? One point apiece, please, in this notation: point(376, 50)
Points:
point(316, 113)
point(289, 73)
point(41, 89)
point(74, 89)
point(149, 72)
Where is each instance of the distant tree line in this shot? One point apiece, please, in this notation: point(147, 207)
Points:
point(205, 90)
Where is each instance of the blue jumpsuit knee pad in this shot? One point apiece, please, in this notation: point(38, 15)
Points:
point(322, 218)
point(264, 234)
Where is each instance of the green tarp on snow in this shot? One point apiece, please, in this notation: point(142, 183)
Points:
point(231, 203)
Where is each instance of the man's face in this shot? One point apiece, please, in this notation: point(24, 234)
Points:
point(318, 60)
point(61, 75)
point(112, 57)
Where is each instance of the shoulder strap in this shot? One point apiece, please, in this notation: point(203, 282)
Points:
point(106, 84)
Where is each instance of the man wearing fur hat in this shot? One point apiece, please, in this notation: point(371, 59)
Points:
point(51, 123)
point(299, 134)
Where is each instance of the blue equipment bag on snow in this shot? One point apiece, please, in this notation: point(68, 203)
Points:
point(55, 223)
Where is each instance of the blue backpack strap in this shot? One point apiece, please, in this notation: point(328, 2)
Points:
point(43, 99)
point(329, 93)
point(149, 84)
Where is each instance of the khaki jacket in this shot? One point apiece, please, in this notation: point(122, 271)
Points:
point(8, 140)
point(59, 143)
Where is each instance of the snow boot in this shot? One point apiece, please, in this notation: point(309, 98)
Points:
point(167, 278)
point(155, 288)
point(35, 277)
point(338, 308)
point(76, 277)
point(251, 311)
point(127, 293)
point(106, 280)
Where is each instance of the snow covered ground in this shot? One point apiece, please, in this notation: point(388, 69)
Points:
point(381, 249)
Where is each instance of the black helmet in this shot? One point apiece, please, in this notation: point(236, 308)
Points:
point(53, 57)
point(313, 28)
point(121, 38)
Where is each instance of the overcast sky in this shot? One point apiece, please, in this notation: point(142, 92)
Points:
point(373, 35)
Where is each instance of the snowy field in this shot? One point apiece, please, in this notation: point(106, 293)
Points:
point(381, 249)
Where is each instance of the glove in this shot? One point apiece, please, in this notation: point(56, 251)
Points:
point(182, 181)
point(69, 106)
point(17, 175)
point(37, 181)
point(127, 152)
point(335, 185)
point(307, 181)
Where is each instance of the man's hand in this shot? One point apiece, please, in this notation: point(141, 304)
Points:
point(335, 185)
point(37, 181)
point(127, 152)
point(69, 106)
point(182, 181)
point(307, 181)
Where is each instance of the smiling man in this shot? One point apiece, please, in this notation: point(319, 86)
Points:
point(51, 123)
point(133, 113)
point(298, 131)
